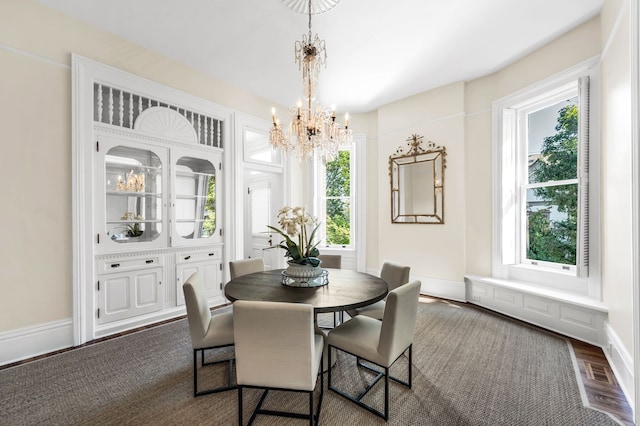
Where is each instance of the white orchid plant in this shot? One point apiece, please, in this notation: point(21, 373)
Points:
point(296, 223)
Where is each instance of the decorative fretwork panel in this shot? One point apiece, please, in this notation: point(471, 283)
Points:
point(121, 108)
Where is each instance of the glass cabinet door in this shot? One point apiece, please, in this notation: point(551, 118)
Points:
point(194, 200)
point(133, 209)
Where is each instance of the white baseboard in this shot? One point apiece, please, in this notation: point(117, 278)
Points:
point(29, 342)
point(621, 363)
point(444, 289)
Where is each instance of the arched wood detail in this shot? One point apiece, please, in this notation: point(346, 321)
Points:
point(166, 123)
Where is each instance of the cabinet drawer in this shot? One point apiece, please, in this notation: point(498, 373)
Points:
point(106, 266)
point(213, 254)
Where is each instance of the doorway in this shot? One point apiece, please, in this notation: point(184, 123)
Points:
point(263, 199)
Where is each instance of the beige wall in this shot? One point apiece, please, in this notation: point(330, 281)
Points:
point(562, 53)
point(458, 116)
point(36, 248)
point(35, 166)
point(434, 251)
point(617, 259)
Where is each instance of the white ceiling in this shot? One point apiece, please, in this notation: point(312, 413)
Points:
point(377, 51)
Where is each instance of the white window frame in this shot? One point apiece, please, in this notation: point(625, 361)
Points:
point(355, 250)
point(322, 197)
point(509, 176)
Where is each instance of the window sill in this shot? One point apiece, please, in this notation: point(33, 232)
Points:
point(545, 292)
point(542, 269)
point(554, 280)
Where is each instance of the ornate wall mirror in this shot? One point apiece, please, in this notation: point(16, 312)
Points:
point(417, 182)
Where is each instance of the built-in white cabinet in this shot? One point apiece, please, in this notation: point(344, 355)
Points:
point(157, 221)
point(147, 201)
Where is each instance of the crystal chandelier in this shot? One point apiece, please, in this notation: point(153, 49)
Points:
point(313, 128)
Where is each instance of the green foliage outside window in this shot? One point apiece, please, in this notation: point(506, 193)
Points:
point(209, 224)
point(338, 186)
point(555, 240)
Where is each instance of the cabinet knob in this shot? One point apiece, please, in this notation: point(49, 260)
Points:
point(148, 261)
point(212, 254)
point(187, 257)
point(115, 265)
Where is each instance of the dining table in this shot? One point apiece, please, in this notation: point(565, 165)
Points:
point(346, 290)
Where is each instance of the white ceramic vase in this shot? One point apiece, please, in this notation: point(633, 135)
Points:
point(295, 270)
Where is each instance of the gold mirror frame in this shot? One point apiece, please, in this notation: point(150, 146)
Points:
point(417, 182)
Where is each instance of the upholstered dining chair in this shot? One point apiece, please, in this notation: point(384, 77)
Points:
point(277, 349)
point(207, 331)
point(238, 268)
point(380, 343)
point(333, 261)
point(394, 275)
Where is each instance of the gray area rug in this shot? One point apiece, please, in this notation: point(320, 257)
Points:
point(471, 367)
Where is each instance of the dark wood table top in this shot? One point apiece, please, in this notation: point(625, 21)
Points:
point(346, 290)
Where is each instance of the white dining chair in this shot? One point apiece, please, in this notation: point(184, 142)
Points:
point(238, 268)
point(333, 261)
point(207, 332)
point(277, 349)
point(380, 343)
point(394, 275)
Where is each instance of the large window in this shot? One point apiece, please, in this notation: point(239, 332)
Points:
point(336, 200)
point(550, 190)
point(542, 215)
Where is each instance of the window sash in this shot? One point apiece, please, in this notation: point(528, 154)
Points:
point(350, 199)
point(514, 177)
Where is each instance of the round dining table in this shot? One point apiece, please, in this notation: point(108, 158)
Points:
point(345, 290)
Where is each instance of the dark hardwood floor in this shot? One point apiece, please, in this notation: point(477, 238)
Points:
point(601, 387)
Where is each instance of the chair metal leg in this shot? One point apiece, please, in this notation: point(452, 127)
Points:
point(195, 373)
point(395, 379)
point(229, 385)
point(386, 394)
point(313, 416)
point(379, 374)
point(240, 405)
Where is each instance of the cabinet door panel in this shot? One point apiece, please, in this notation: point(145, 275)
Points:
point(116, 293)
point(183, 273)
point(209, 273)
point(146, 286)
point(128, 294)
point(131, 203)
point(196, 190)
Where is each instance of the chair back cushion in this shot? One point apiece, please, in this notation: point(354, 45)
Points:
point(198, 313)
point(238, 268)
point(399, 321)
point(394, 274)
point(275, 345)
point(331, 261)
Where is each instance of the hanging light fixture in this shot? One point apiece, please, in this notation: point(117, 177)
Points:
point(313, 128)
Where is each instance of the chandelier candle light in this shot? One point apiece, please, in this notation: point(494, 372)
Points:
point(313, 128)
